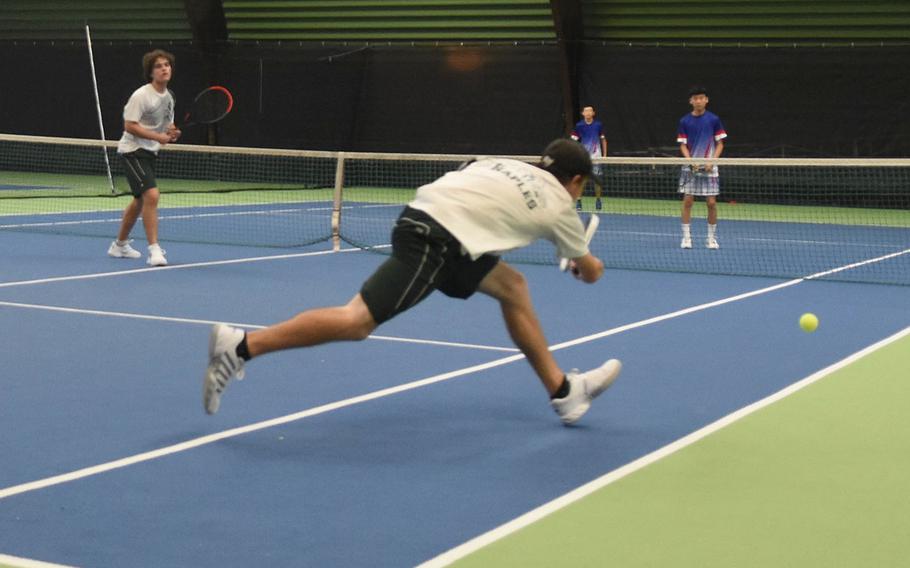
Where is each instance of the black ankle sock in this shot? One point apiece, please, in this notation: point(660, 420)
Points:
point(243, 351)
point(563, 390)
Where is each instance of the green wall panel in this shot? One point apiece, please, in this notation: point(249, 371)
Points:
point(108, 19)
point(391, 20)
point(753, 21)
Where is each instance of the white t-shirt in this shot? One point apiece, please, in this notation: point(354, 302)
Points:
point(152, 110)
point(495, 205)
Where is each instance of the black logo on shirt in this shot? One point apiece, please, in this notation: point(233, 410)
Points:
point(522, 182)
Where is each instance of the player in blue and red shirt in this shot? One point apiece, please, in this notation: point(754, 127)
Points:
point(700, 135)
point(590, 133)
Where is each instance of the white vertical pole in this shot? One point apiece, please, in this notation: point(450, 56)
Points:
point(336, 205)
point(91, 59)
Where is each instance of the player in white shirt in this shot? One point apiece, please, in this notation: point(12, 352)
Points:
point(148, 123)
point(449, 239)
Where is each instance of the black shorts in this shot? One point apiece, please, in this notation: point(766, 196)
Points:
point(425, 257)
point(140, 170)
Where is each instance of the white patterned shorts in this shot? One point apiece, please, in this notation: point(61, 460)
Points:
point(700, 184)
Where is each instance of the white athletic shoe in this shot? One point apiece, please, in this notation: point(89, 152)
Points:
point(123, 251)
point(686, 243)
point(156, 256)
point(583, 388)
point(711, 243)
point(224, 365)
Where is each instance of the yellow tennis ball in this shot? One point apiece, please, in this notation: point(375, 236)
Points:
point(809, 322)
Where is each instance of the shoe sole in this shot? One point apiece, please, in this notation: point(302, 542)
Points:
point(615, 367)
point(118, 255)
point(580, 411)
point(210, 392)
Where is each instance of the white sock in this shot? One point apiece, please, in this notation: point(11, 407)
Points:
point(121, 243)
point(711, 231)
point(686, 231)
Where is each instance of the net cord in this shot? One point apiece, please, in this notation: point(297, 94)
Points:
point(613, 160)
point(91, 60)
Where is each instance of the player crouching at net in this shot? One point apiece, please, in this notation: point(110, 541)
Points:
point(448, 239)
point(148, 123)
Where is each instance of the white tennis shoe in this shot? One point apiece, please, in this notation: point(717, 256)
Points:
point(123, 251)
point(583, 388)
point(711, 243)
point(686, 243)
point(156, 256)
point(224, 365)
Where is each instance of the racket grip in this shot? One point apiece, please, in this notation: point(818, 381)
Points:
point(563, 264)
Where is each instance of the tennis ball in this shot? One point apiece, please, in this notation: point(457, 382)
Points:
point(808, 322)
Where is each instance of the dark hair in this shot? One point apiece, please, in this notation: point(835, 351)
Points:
point(697, 90)
point(149, 59)
point(583, 107)
point(565, 159)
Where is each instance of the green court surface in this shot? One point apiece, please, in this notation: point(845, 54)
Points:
point(819, 478)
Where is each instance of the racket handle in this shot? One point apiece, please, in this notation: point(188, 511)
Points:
point(563, 264)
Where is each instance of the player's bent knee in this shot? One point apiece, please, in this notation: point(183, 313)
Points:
point(360, 321)
point(514, 283)
point(361, 329)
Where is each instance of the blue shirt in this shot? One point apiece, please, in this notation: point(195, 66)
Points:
point(700, 134)
point(589, 135)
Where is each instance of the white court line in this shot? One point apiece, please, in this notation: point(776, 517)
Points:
point(130, 315)
point(857, 264)
point(165, 216)
point(618, 233)
point(546, 509)
point(204, 440)
point(742, 296)
point(16, 562)
point(178, 267)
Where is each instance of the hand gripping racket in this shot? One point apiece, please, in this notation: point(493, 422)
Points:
point(209, 106)
point(593, 222)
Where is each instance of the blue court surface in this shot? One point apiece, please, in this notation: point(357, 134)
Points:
point(386, 452)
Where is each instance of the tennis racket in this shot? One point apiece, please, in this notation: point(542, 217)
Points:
point(209, 106)
point(593, 222)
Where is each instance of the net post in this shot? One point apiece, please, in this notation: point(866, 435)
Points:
point(91, 60)
point(336, 204)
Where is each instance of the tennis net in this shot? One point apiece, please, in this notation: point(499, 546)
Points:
point(826, 218)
